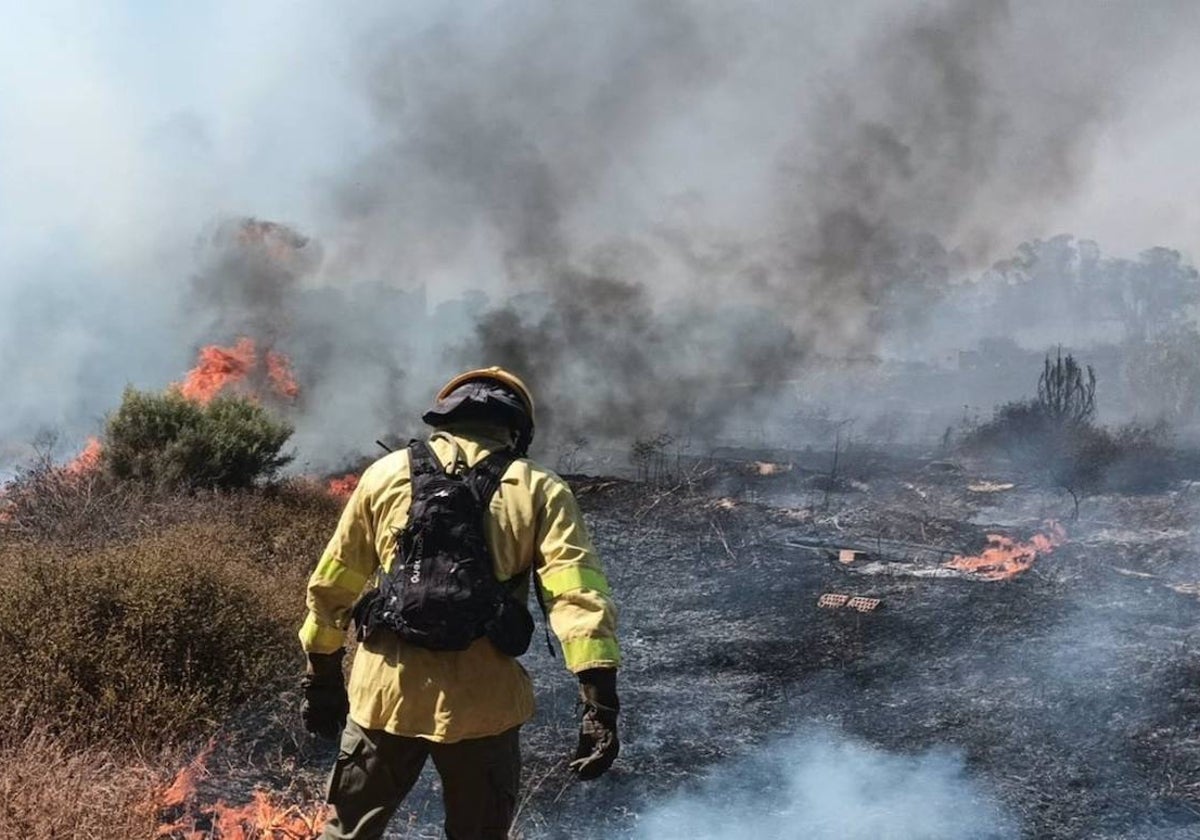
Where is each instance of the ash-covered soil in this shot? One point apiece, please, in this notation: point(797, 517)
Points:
point(1071, 693)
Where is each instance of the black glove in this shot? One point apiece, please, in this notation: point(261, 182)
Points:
point(598, 744)
point(326, 703)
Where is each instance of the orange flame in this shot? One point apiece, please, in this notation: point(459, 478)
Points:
point(87, 461)
point(183, 788)
point(260, 819)
point(279, 372)
point(218, 368)
point(341, 488)
point(1005, 558)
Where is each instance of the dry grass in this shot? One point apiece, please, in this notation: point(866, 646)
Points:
point(136, 619)
point(131, 625)
point(51, 792)
point(48, 504)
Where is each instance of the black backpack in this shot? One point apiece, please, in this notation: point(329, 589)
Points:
point(441, 591)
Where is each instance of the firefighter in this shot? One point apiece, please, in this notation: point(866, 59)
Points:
point(462, 708)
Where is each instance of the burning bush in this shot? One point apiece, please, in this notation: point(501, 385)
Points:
point(48, 500)
point(169, 441)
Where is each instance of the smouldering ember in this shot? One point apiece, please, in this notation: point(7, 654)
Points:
point(260, 819)
point(1005, 558)
point(183, 786)
point(219, 368)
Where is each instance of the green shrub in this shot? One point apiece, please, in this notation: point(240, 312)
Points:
point(168, 441)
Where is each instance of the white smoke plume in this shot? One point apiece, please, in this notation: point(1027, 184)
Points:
point(825, 786)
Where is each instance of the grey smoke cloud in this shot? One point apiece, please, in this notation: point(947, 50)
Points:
point(249, 277)
point(910, 155)
point(665, 207)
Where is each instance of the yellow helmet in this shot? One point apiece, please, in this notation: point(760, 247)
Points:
point(512, 402)
point(498, 374)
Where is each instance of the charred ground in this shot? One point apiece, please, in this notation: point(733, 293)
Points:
point(1070, 691)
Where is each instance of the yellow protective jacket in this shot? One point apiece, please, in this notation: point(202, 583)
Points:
point(451, 695)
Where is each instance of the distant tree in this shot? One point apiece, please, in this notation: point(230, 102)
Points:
point(1046, 281)
point(1040, 282)
point(649, 457)
point(1163, 375)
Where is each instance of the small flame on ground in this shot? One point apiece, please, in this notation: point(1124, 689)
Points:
point(218, 368)
point(1005, 558)
point(341, 488)
point(260, 819)
point(183, 787)
point(87, 461)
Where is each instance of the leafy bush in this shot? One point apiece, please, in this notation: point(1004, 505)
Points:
point(168, 441)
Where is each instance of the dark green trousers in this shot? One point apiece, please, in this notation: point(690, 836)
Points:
point(375, 770)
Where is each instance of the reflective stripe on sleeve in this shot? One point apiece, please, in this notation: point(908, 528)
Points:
point(572, 578)
point(334, 571)
point(591, 652)
point(316, 638)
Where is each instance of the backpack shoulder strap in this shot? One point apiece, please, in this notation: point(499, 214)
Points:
point(421, 460)
point(485, 476)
